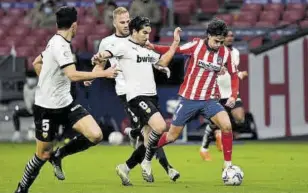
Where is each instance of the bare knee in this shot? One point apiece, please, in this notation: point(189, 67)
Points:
point(95, 136)
point(44, 155)
point(226, 127)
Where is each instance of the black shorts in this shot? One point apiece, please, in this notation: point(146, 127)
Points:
point(144, 107)
point(238, 103)
point(134, 120)
point(47, 121)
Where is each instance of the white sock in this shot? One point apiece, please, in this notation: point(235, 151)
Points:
point(204, 149)
point(228, 163)
point(127, 168)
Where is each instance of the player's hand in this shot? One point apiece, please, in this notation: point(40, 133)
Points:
point(243, 74)
point(149, 45)
point(176, 34)
point(230, 102)
point(88, 82)
point(97, 59)
point(222, 71)
point(111, 72)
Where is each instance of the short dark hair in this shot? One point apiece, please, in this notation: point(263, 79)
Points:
point(217, 27)
point(66, 16)
point(138, 23)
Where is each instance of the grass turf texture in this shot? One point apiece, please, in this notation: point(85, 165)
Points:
point(269, 168)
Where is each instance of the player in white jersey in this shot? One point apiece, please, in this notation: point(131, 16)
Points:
point(54, 104)
point(236, 113)
point(121, 21)
point(136, 62)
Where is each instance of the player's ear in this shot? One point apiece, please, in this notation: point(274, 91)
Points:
point(114, 25)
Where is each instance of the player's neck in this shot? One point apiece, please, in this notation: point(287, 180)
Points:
point(132, 39)
point(67, 35)
point(119, 35)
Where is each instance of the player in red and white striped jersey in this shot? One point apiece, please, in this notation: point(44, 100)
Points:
point(199, 92)
point(237, 113)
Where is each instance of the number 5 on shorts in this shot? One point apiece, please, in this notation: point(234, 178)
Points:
point(45, 125)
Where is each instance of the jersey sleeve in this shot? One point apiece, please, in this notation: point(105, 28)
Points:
point(155, 56)
point(236, 58)
point(103, 45)
point(63, 55)
point(232, 69)
point(116, 50)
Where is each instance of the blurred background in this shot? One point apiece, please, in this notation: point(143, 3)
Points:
point(271, 36)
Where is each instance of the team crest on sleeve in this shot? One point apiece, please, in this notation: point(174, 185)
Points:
point(66, 53)
point(219, 60)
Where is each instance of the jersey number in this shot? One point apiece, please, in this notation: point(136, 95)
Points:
point(45, 126)
point(143, 105)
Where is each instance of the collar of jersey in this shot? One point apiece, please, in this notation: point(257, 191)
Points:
point(64, 38)
point(121, 36)
point(135, 42)
point(208, 47)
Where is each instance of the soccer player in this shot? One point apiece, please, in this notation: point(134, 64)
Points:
point(54, 104)
point(136, 62)
point(199, 92)
point(121, 21)
point(236, 113)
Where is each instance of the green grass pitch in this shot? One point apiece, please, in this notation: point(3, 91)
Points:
point(269, 168)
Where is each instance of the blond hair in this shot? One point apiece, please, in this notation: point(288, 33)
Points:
point(119, 11)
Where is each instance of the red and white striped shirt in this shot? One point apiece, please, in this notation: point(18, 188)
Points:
point(203, 66)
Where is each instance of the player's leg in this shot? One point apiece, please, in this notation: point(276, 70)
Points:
point(238, 115)
point(221, 118)
point(162, 158)
point(45, 133)
point(206, 140)
point(16, 122)
point(91, 135)
point(184, 112)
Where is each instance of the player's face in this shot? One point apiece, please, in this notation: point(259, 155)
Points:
point(121, 24)
point(74, 29)
point(229, 38)
point(143, 35)
point(216, 41)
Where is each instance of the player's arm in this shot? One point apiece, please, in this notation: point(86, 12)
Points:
point(74, 75)
point(167, 57)
point(37, 64)
point(236, 62)
point(186, 49)
point(232, 69)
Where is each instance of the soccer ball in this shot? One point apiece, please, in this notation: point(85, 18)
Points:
point(232, 176)
point(115, 138)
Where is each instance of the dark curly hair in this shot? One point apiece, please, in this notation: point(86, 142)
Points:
point(217, 27)
point(138, 23)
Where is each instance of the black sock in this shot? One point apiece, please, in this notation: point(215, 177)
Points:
point(31, 171)
point(161, 156)
point(136, 157)
point(77, 144)
point(16, 121)
point(134, 133)
point(153, 140)
point(207, 137)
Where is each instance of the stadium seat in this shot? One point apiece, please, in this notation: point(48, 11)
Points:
point(255, 42)
point(228, 18)
point(24, 51)
point(242, 24)
point(270, 16)
point(4, 50)
point(39, 50)
point(209, 6)
point(296, 7)
point(79, 43)
point(291, 16)
point(2, 13)
point(31, 40)
point(3, 32)
point(277, 7)
point(249, 17)
point(165, 40)
point(11, 40)
point(90, 42)
point(265, 24)
point(19, 31)
point(88, 20)
point(84, 29)
point(101, 30)
point(304, 24)
point(30, 60)
point(24, 22)
point(40, 32)
point(15, 12)
point(182, 16)
point(7, 21)
point(81, 11)
point(251, 7)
